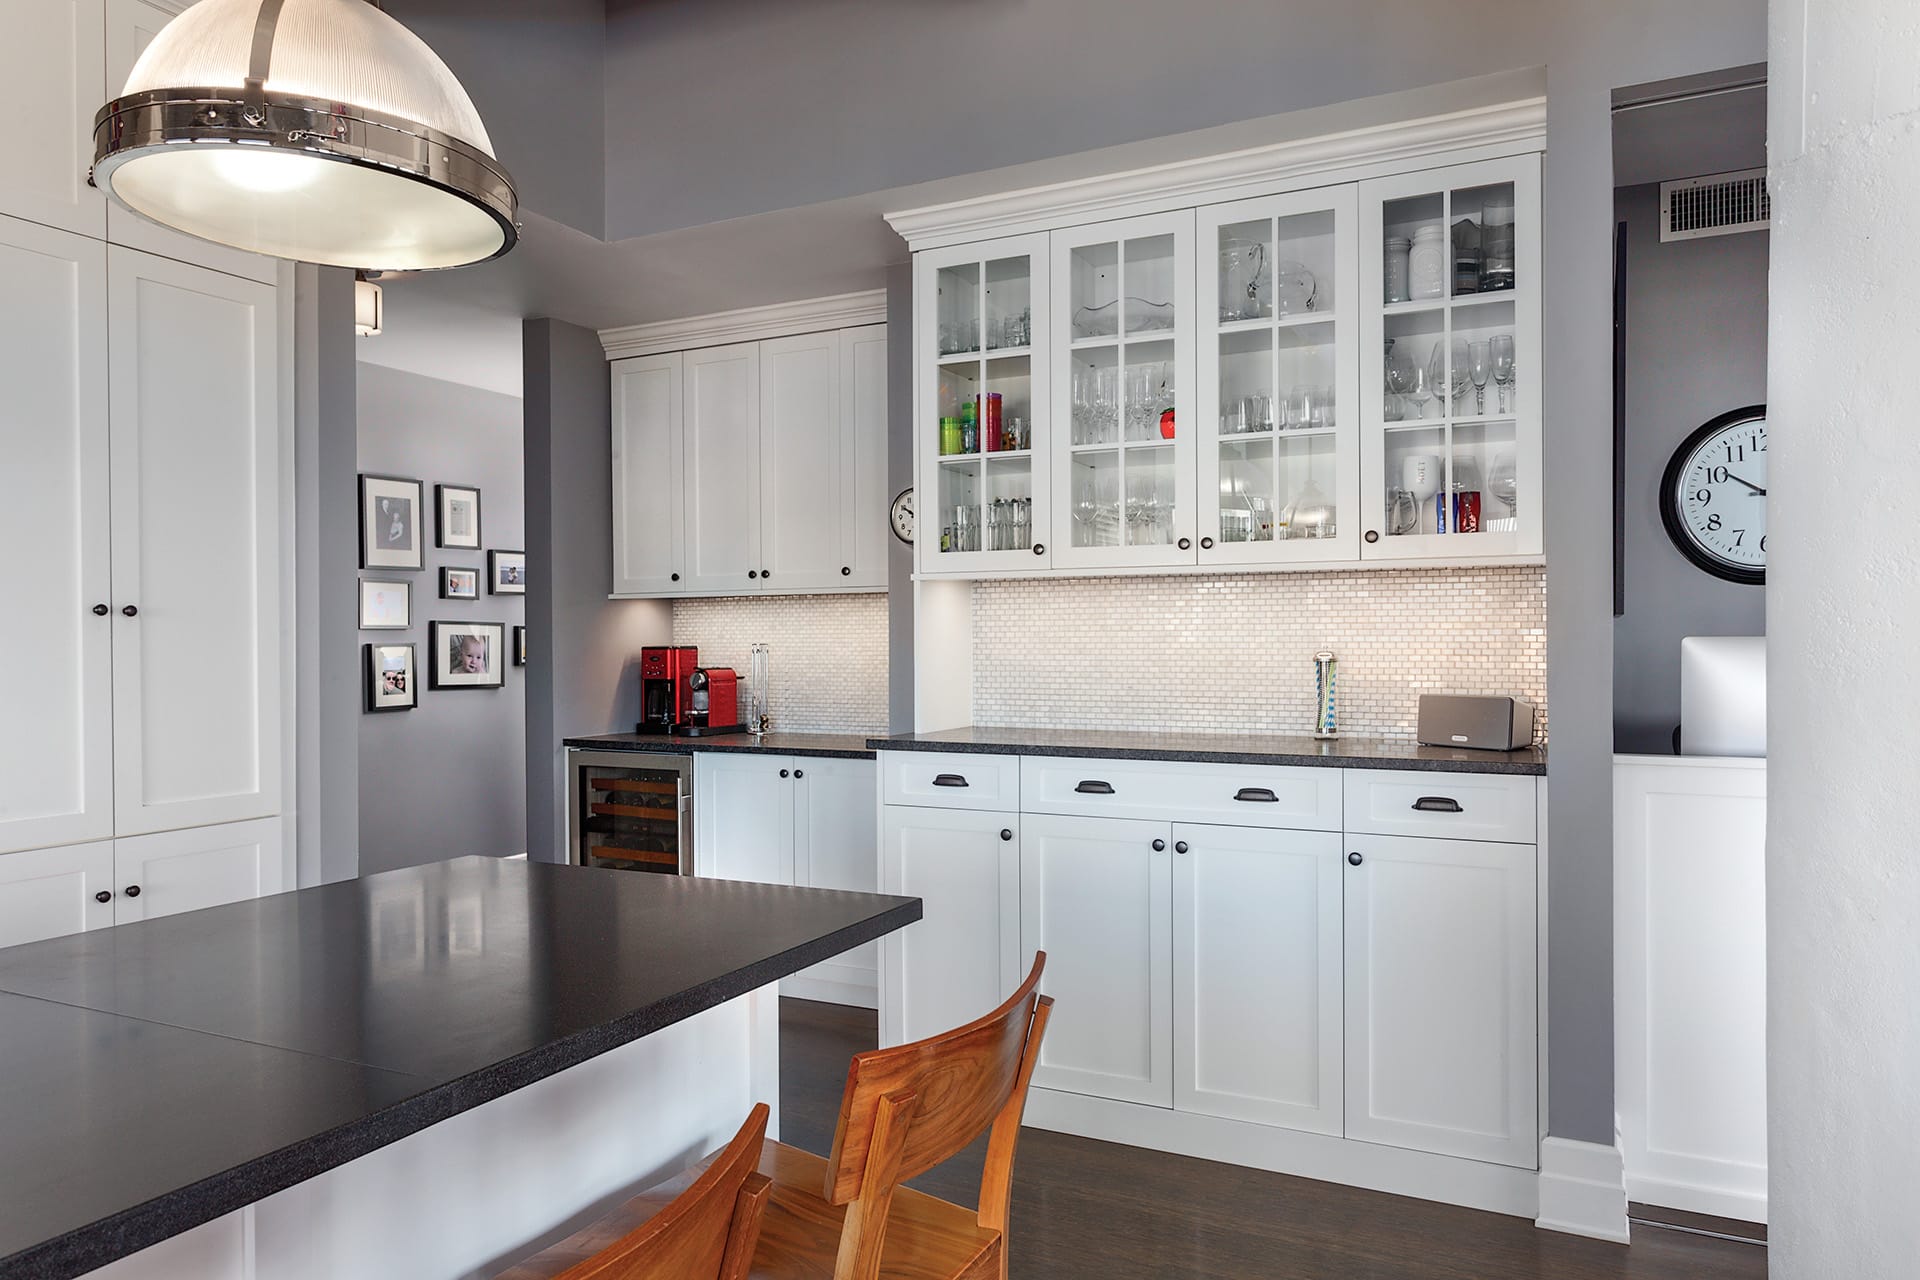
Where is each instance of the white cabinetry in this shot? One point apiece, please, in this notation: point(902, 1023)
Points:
point(1440, 980)
point(1096, 895)
point(743, 817)
point(779, 452)
point(45, 893)
point(52, 60)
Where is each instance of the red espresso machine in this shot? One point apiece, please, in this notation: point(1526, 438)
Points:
point(666, 687)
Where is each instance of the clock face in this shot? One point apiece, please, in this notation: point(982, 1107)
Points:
point(901, 516)
point(1713, 498)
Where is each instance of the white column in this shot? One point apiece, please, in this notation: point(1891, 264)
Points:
point(1843, 612)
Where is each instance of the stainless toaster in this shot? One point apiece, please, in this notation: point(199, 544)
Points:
point(1490, 723)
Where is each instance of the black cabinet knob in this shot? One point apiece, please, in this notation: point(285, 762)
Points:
point(676, 577)
point(1354, 859)
point(1186, 544)
point(753, 573)
point(133, 891)
point(1206, 543)
point(846, 571)
point(103, 896)
point(799, 773)
point(129, 610)
point(1179, 846)
point(1006, 833)
point(1159, 846)
point(101, 611)
point(1373, 535)
point(765, 574)
point(1039, 548)
point(783, 773)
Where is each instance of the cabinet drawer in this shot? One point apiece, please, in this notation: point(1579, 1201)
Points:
point(1249, 795)
point(1457, 806)
point(951, 780)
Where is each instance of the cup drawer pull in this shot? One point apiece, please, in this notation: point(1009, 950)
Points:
point(1256, 795)
point(948, 780)
point(1095, 788)
point(1437, 804)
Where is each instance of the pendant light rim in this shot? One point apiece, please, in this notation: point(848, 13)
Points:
point(155, 121)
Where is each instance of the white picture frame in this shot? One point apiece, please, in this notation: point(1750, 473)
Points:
point(386, 604)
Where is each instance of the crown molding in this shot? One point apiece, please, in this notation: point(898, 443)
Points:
point(1506, 128)
point(749, 324)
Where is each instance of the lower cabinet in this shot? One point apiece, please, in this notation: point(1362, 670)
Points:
point(1096, 894)
point(45, 893)
point(743, 817)
point(1441, 1004)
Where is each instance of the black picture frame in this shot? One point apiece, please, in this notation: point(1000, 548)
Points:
point(406, 596)
point(513, 562)
point(519, 646)
point(440, 636)
point(441, 538)
point(373, 668)
point(1670, 486)
point(447, 591)
point(372, 554)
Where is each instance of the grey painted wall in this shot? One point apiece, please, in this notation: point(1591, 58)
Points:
point(1696, 347)
point(594, 686)
point(326, 561)
point(448, 777)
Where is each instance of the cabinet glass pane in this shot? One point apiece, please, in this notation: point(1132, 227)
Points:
point(1246, 382)
point(1009, 303)
point(1413, 367)
point(1304, 261)
point(1148, 520)
point(1096, 395)
point(1416, 480)
point(1306, 377)
point(1481, 239)
point(1006, 406)
point(958, 310)
point(1483, 345)
point(1246, 270)
point(1096, 498)
point(1481, 478)
point(959, 508)
point(1150, 306)
point(1007, 514)
point(1308, 470)
point(957, 399)
point(1417, 261)
point(1246, 491)
point(1096, 291)
point(1147, 390)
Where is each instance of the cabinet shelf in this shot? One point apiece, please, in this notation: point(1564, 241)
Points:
point(1118, 446)
point(991, 353)
point(1010, 455)
point(1301, 320)
point(1419, 305)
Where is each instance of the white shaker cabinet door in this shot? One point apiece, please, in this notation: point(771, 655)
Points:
point(196, 518)
point(1441, 1014)
point(56, 753)
point(174, 871)
point(743, 817)
point(1096, 896)
point(962, 958)
point(803, 493)
point(1257, 975)
point(864, 532)
point(836, 845)
point(649, 504)
point(52, 62)
point(46, 893)
point(721, 390)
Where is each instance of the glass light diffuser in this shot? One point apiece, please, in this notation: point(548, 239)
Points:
point(317, 130)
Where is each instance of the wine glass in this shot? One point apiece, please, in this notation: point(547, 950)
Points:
point(1503, 365)
point(1437, 375)
point(1399, 380)
point(1457, 373)
point(1479, 364)
point(1421, 388)
point(1501, 481)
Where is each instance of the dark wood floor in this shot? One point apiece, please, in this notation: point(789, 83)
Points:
point(1086, 1210)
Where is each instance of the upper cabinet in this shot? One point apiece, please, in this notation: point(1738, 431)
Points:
point(52, 58)
point(752, 467)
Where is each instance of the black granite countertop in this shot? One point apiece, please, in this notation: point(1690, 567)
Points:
point(155, 1076)
point(847, 746)
point(1220, 748)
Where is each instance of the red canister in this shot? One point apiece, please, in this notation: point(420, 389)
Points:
point(995, 442)
point(1466, 511)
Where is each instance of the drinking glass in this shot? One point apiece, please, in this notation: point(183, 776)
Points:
point(1437, 377)
point(1323, 407)
point(1502, 483)
point(1421, 388)
point(1479, 365)
point(1456, 375)
point(1502, 349)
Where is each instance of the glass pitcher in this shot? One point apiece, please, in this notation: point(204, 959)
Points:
point(1245, 287)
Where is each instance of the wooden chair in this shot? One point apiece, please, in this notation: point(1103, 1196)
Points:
point(701, 1225)
point(904, 1111)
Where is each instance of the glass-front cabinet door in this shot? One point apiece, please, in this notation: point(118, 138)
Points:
point(1450, 390)
point(1121, 350)
point(981, 406)
point(1279, 463)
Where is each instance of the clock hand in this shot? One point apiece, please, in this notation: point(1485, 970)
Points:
point(1750, 484)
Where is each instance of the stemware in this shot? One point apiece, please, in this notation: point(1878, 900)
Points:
point(1421, 388)
point(1437, 377)
point(1502, 350)
point(1479, 364)
point(1502, 483)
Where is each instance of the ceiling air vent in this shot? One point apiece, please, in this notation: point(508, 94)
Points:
point(1718, 204)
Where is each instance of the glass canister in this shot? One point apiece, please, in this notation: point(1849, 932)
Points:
point(1427, 263)
point(757, 717)
point(1325, 716)
point(1396, 268)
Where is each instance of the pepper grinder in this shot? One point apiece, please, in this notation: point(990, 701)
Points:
point(1325, 724)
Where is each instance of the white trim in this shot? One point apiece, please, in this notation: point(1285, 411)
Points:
point(1583, 1189)
point(1474, 1184)
point(1504, 129)
point(748, 324)
point(1692, 1198)
point(1204, 570)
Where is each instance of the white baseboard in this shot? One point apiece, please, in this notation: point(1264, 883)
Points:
point(1583, 1189)
point(1719, 1202)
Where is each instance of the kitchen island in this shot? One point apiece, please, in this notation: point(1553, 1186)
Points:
point(417, 1073)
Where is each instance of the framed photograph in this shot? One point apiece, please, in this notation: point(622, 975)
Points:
point(391, 678)
point(457, 522)
point(466, 655)
point(390, 523)
point(506, 573)
point(385, 606)
point(459, 584)
point(519, 646)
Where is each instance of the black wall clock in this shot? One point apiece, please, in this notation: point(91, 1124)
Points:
point(1713, 498)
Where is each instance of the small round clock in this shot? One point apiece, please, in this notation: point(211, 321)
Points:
point(900, 516)
point(1713, 498)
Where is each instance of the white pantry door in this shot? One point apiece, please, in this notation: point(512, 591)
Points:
point(196, 518)
point(56, 751)
point(175, 871)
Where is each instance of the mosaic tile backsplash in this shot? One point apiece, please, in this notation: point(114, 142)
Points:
point(1235, 652)
point(827, 659)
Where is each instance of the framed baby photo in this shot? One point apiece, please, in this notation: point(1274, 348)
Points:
point(506, 573)
point(390, 518)
point(519, 646)
point(459, 584)
point(466, 655)
point(390, 678)
point(457, 516)
point(385, 606)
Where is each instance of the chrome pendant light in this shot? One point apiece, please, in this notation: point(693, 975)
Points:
point(318, 130)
